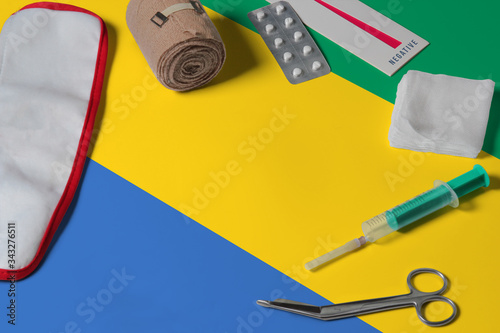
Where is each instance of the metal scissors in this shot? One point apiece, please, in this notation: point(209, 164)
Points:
point(415, 298)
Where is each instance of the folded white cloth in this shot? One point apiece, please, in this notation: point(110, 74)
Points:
point(441, 114)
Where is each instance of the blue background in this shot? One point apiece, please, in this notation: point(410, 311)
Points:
point(181, 277)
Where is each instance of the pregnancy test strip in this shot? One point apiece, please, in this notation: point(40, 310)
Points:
point(362, 31)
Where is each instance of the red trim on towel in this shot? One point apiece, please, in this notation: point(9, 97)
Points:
point(392, 42)
point(83, 146)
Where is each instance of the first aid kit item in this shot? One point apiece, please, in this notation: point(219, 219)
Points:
point(289, 41)
point(53, 60)
point(178, 40)
point(415, 298)
point(441, 195)
point(441, 114)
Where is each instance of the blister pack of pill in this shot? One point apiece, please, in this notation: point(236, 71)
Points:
point(289, 41)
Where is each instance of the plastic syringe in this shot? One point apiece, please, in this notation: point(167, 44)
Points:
point(443, 194)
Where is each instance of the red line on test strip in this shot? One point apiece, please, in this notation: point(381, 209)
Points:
point(392, 42)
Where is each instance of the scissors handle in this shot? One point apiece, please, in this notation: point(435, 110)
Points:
point(353, 309)
point(415, 298)
point(430, 297)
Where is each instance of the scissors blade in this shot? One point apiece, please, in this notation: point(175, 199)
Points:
point(292, 306)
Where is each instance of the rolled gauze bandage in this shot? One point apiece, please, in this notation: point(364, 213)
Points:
point(178, 40)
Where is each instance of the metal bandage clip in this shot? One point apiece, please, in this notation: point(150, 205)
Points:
point(160, 18)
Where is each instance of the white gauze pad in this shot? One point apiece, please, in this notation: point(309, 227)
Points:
point(52, 63)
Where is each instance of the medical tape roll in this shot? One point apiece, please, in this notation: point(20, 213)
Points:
point(52, 65)
point(178, 40)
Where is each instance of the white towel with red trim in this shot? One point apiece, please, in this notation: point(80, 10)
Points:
point(52, 63)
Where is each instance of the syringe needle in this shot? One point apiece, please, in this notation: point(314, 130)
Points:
point(347, 247)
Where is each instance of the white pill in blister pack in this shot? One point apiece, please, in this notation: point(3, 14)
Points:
point(316, 65)
point(287, 56)
point(289, 41)
point(288, 22)
point(261, 16)
point(297, 72)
